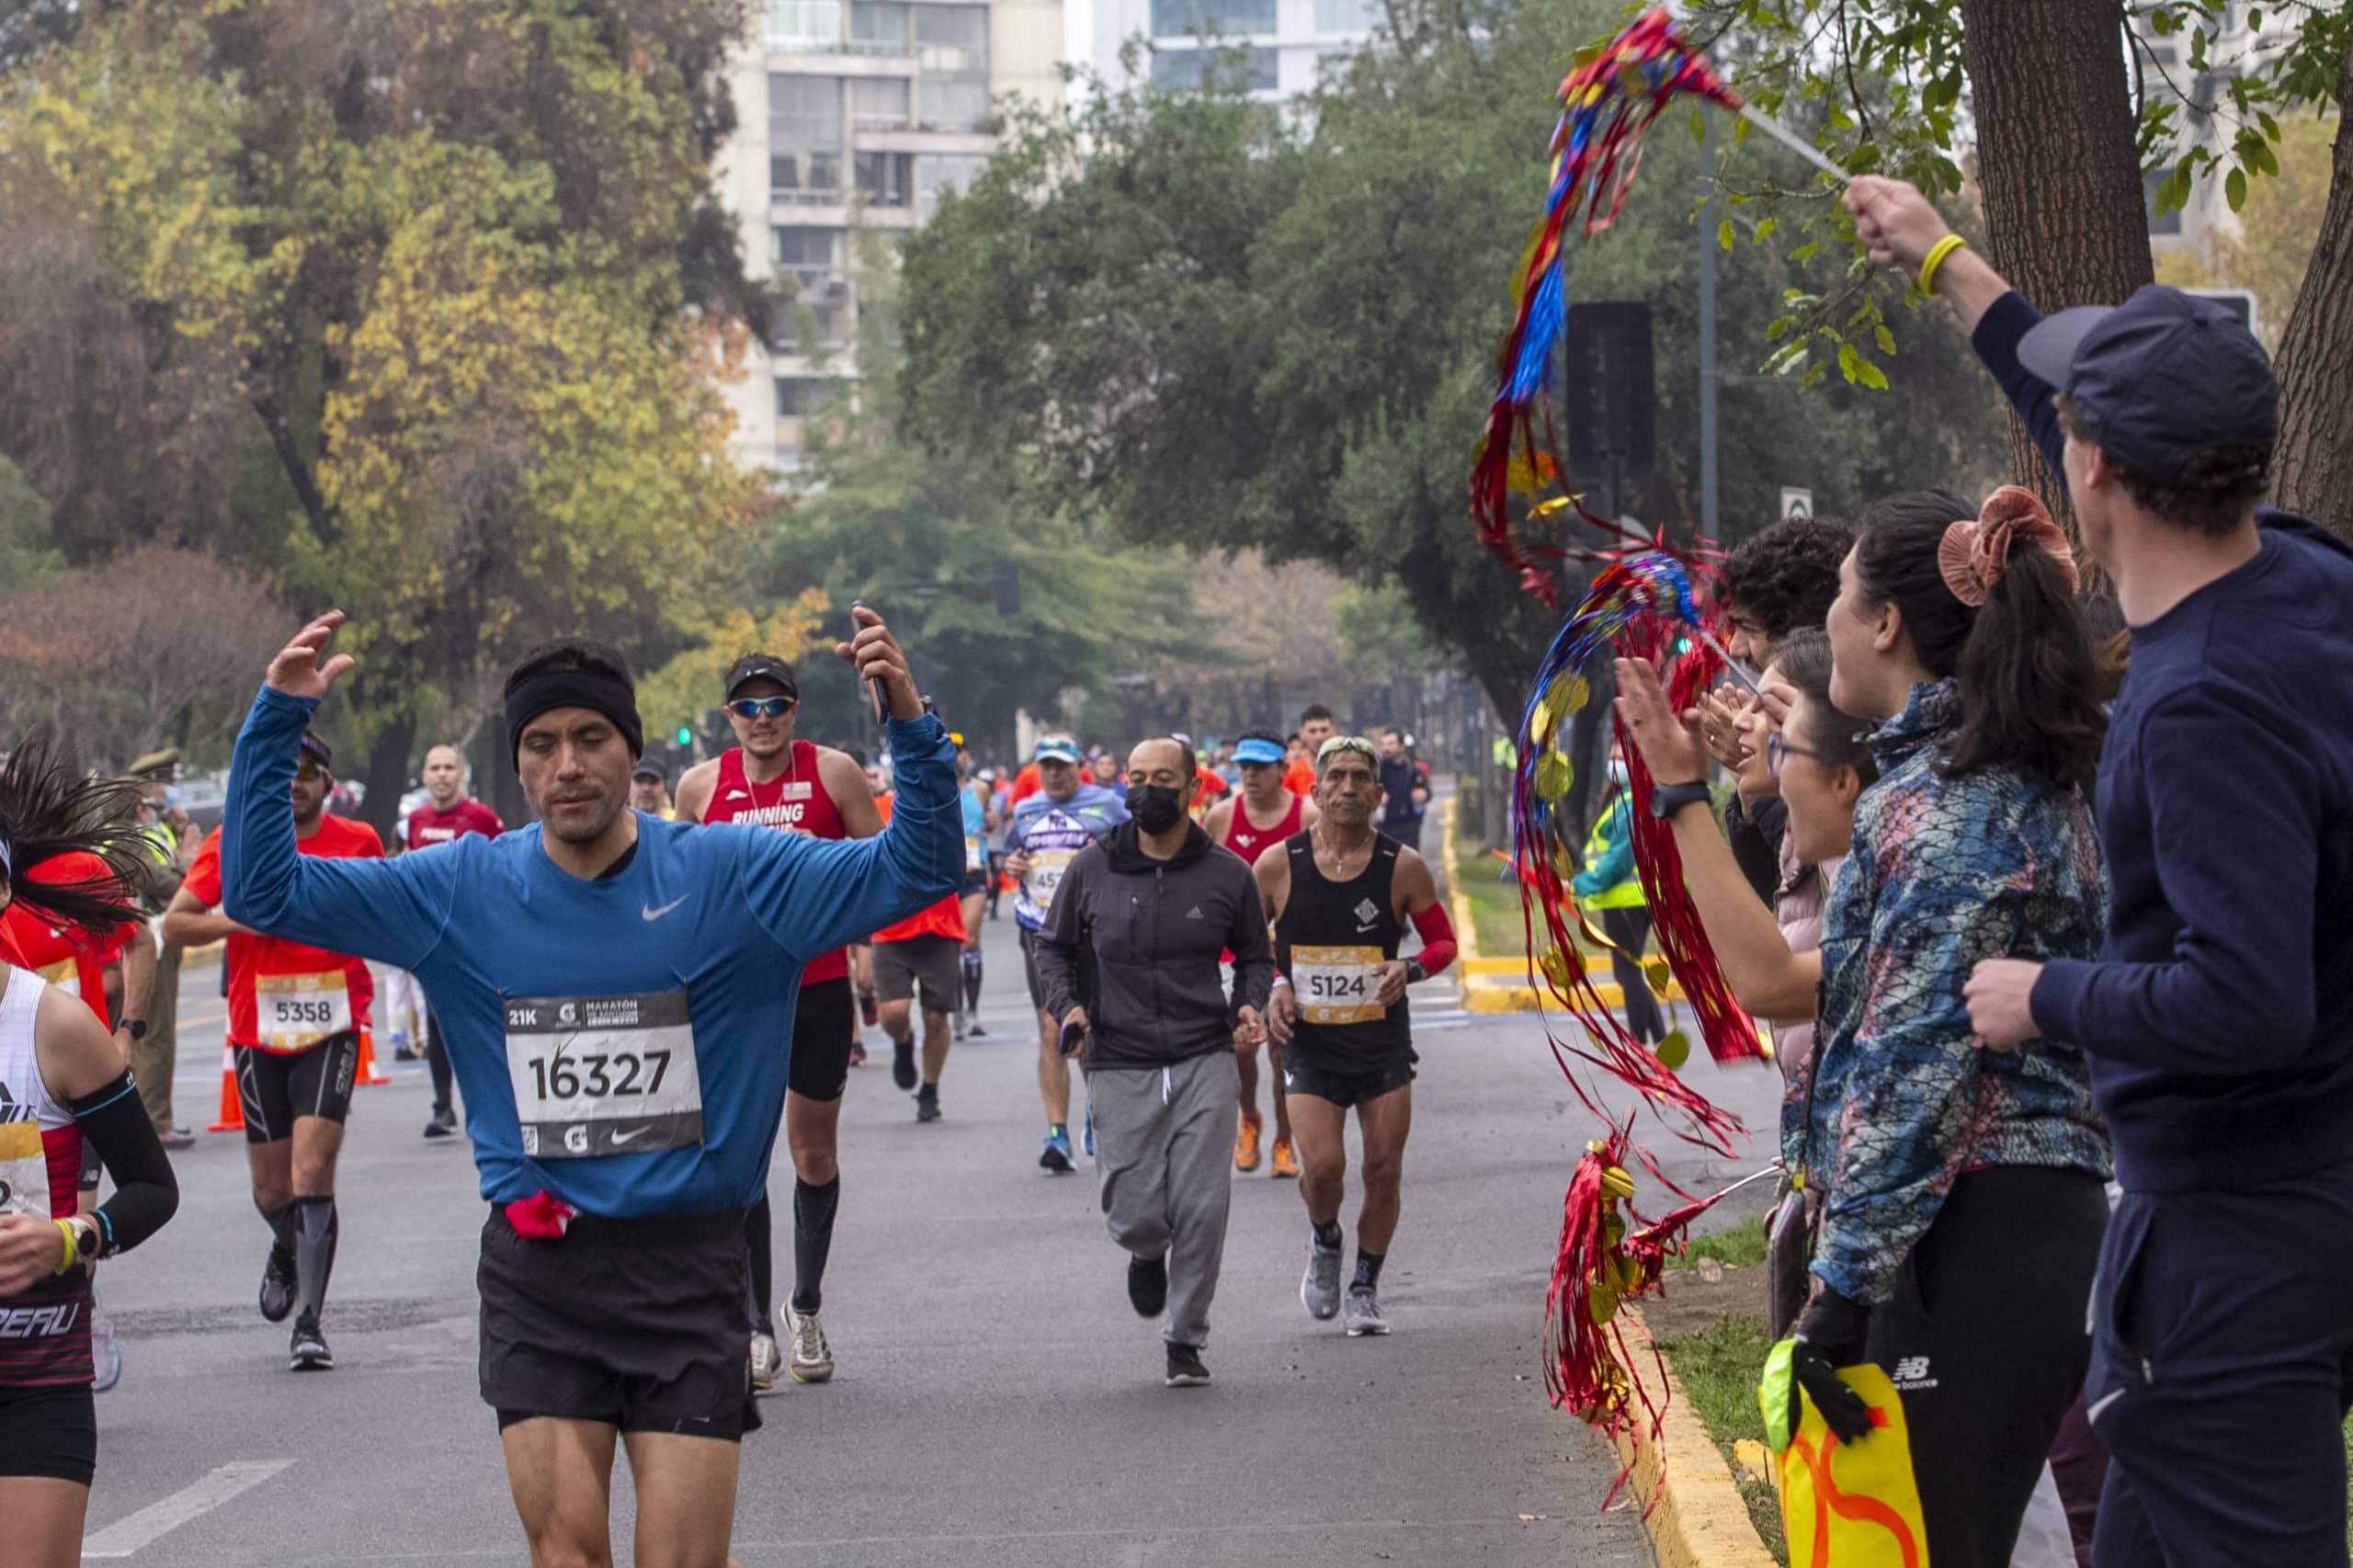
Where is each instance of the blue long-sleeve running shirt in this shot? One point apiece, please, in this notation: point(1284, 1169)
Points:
point(623, 1043)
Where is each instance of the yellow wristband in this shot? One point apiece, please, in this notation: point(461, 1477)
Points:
point(73, 1247)
point(1936, 254)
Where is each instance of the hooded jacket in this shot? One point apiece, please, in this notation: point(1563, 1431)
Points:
point(1136, 940)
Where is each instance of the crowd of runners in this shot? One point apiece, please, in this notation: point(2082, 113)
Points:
point(1949, 830)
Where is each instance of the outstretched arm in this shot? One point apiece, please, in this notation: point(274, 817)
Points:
point(813, 895)
point(392, 910)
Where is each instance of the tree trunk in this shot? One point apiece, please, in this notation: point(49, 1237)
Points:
point(2066, 218)
point(386, 776)
point(2313, 475)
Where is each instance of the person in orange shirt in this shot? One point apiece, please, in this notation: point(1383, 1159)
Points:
point(925, 949)
point(295, 1013)
point(1316, 727)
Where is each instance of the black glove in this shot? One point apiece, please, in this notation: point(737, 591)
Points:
point(1830, 1335)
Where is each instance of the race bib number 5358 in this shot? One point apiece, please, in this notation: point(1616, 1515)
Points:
point(604, 1075)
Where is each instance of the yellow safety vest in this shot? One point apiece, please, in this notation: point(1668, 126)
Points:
point(1626, 894)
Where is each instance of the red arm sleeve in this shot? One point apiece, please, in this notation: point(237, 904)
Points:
point(1437, 939)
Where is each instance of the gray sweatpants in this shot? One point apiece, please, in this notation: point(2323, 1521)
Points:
point(1164, 1146)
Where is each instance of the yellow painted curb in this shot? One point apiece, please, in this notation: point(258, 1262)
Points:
point(1700, 1520)
point(1457, 908)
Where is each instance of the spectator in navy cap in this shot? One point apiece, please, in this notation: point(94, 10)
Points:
point(2219, 1017)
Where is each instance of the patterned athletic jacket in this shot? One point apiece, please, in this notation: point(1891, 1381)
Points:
point(1901, 1100)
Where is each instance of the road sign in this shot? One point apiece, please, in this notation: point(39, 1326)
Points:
point(2240, 303)
point(1796, 502)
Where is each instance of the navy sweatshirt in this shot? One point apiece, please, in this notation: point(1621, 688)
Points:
point(2218, 1019)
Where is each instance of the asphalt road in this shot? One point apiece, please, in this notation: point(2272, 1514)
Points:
point(998, 1402)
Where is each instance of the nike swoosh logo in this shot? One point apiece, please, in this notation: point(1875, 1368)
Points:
point(650, 913)
point(621, 1138)
point(1361, 930)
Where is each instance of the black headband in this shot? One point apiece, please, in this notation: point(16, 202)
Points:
point(592, 690)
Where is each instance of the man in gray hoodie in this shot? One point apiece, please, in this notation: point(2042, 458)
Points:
point(1128, 962)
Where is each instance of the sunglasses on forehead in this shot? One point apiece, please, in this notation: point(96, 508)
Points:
point(761, 707)
point(1338, 743)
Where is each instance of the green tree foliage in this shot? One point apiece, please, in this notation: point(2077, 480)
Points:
point(1224, 329)
point(414, 303)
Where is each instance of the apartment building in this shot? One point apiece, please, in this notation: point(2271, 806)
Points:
point(854, 116)
point(1286, 39)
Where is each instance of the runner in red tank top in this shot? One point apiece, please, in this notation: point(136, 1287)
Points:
point(1260, 814)
point(769, 778)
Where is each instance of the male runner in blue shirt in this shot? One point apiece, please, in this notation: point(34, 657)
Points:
point(615, 992)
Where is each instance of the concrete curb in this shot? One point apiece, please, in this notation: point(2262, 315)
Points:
point(1701, 1520)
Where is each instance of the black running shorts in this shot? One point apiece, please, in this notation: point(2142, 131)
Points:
point(640, 1324)
point(824, 1022)
point(1348, 1083)
point(49, 1430)
point(1030, 940)
point(277, 1086)
point(933, 961)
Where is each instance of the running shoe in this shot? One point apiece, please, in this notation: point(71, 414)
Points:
point(813, 1358)
point(1086, 1131)
point(1319, 1289)
point(857, 1053)
point(766, 1359)
point(308, 1351)
point(1148, 1286)
point(957, 1028)
point(443, 1125)
point(1363, 1314)
point(1246, 1143)
point(903, 1063)
point(1185, 1367)
point(278, 1285)
point(1286, 1163)
point(1056, 1157)
point(866, 1009)
point(976, 1031)
point(927, 1103)
point(176, 1138)
point(106, 1351)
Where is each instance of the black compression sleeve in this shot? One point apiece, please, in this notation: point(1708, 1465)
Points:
point(146, 1194)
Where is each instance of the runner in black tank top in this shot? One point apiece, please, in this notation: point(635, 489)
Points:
point(1340, 896)
point(1333, 938)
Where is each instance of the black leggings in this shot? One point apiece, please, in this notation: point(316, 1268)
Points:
point(1630, 930)
point(1985, 1338)
point(437, 1063)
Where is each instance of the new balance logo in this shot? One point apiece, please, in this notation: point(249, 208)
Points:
point(1912, 1372)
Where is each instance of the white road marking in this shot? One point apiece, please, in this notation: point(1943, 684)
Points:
point(134, 1532)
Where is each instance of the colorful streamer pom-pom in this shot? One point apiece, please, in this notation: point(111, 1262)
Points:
point(1607, 103)
point(1589, 1367)
point(1641, 606)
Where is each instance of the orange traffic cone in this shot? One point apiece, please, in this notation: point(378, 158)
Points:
point(233, 1110)
point(368, 1073)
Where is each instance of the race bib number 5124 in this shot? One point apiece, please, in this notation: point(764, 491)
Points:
point(604, 1075)
point(1337, 985)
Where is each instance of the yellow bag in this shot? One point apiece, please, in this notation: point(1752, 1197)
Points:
point(1847, 1505)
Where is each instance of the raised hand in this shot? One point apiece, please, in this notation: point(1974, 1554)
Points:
point(297, 672)
point(878, 656)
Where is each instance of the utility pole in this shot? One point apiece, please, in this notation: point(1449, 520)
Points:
point(1708, 326)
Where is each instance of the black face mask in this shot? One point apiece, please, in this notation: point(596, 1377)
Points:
point(1156, 807)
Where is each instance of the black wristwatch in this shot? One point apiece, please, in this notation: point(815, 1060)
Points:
point(1415, 972)
point(138, 1028)
point(1668, 799)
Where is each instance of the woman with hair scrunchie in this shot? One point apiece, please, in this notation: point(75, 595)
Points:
point(67, 1081)
point(1960, 1190)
